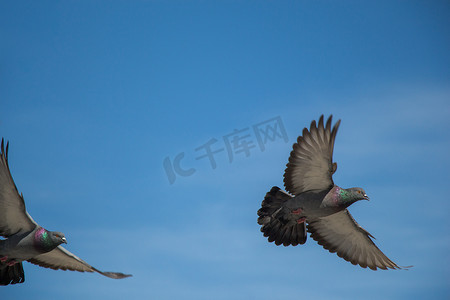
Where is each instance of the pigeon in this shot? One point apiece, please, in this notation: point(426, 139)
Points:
point(314, 204)
point(25, 240)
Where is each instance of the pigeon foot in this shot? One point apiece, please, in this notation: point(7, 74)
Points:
point(11, 263)
point(3, 258)
point(301, 220)
point(297, 211)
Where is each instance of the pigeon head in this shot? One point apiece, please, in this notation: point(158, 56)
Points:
point(351, 195)
point(45, 240)
point(58, 237)
point(357, 194)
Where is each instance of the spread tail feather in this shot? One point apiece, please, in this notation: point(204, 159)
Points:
point(11, 274)
point(271, 225)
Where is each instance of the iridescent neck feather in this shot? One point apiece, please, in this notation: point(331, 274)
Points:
point(43, 240)
point(338, 197)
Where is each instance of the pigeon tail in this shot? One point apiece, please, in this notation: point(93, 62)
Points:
point(272, 227)
point(11, 274)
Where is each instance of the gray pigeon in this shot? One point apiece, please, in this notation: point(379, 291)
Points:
point(26, 240)
point(315, 203)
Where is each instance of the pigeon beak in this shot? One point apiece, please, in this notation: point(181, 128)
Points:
point(366, 197)
point(63, 239)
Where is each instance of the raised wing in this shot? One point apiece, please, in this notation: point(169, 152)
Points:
point(310, 165)
point(339, 233)
point(60, 258)
point(13, 215)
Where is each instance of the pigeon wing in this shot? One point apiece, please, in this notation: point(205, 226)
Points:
point(13, 215)
point(60, 258)
point(339, 233)
point(310, 165)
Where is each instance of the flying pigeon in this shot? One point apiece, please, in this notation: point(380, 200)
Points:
point(24, 239)
point(315, 204)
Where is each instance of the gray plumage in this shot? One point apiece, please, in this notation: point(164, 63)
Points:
point(315, 204)
point(25, 240)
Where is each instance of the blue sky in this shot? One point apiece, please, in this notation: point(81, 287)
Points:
point(94, 95)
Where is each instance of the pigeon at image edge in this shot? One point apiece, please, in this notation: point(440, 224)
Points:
point(25, 240)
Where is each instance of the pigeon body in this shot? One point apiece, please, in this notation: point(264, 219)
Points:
point(24, 246)
point(25, 240)
point(315, 204)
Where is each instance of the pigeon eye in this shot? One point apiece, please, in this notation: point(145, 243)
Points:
point(359, 192)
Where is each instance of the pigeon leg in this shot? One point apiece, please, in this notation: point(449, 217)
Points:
point(297, 211)
point(301, 220)
point(11, 262)
point(3, 258)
